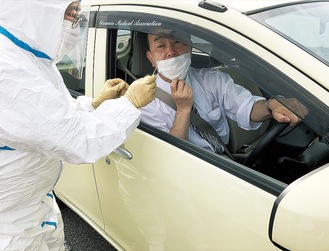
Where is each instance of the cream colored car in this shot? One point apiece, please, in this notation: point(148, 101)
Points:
point(157, 192)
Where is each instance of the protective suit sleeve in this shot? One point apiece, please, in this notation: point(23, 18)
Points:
point(40, 118)
point(82, 103)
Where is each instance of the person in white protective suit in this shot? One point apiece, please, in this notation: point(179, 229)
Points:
point(41, 125)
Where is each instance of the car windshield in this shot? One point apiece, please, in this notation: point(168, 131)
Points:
point(308, 26)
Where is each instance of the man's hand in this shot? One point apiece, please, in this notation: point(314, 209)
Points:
point(113, 88)
point(282, 114)
point(182, 94)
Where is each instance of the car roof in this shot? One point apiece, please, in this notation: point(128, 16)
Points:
point(253, 5)
point(243, 6)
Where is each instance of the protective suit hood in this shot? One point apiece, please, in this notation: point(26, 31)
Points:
point(38, 23)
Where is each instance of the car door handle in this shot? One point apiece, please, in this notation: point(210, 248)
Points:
point(123, 153)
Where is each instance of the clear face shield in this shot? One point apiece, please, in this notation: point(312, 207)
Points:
point(72, 52)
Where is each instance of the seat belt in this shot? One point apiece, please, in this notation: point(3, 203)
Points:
point(195, 118)
point(123, 68)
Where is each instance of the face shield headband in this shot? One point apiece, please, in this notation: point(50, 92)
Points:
point(72, 52)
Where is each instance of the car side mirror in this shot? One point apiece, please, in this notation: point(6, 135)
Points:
point(300, 216)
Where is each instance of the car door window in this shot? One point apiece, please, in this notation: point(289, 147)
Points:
point(75, 85)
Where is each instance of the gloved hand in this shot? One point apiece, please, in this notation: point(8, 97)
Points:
point(141, 91)
point(113, 88)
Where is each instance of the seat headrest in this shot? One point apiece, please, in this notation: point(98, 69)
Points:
point(139, 64)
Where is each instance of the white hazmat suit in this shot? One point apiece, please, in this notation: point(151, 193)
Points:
point(41, 125)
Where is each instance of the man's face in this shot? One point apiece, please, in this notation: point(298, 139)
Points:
point(164, 48)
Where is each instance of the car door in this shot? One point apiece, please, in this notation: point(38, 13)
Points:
point(170, 194)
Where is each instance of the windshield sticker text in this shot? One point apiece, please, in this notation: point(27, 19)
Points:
point(129, 23)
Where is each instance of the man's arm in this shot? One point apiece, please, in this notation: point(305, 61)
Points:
point(181, 124)
point(262, 111)
point(183, 97)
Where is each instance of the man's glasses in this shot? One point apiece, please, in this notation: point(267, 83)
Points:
point(75, 19)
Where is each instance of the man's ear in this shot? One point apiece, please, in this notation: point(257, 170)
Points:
point(149, 57)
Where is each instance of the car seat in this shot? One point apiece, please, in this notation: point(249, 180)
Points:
point(139, 65)
point(238, 136)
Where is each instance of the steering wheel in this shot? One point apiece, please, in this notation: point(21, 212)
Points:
point(265, 142)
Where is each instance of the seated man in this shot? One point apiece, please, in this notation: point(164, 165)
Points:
point(211, 92)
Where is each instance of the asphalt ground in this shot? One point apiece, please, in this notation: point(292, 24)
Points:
point(79, 236)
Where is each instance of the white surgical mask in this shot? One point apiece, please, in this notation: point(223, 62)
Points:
point(175, 67)
point(70, 39)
